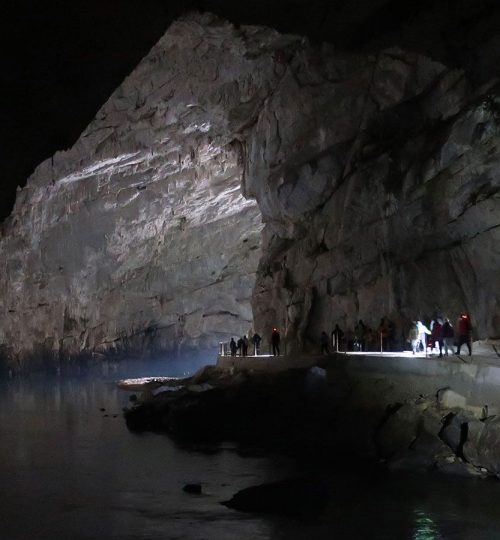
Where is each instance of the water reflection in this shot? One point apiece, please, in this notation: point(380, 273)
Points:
point(70, 469)
point(425, 528)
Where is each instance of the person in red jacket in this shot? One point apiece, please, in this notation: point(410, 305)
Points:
point(464, 333)
point(275, 342)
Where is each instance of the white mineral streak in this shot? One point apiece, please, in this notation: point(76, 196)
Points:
point(377, 177)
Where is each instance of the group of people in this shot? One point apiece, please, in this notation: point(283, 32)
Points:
point(440, 335)
point(240, 347)
point(361, 338)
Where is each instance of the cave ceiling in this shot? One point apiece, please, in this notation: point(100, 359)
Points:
point(63, 60)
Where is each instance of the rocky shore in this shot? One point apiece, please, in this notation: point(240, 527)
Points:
point(322, 412)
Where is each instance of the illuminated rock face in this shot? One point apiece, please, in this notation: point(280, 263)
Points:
point(377, 178)
point(139, 239)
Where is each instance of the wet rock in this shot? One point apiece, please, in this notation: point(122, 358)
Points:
point(275, 411)
point(482, 447)
point(288, 497)
point(431, 445)
point(425, 452)
point(271, 410)
point(399, 431)
point(412, 437)
point(473, 442)
point(454, 432)
point(461, 468)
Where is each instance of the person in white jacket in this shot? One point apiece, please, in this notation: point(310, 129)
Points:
point(422, 332)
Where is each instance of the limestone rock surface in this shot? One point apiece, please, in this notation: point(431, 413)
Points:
point(241, 177)
point(381, 198)
point(139, 238)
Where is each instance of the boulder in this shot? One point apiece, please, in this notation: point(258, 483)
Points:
point(461, 468)
point(453, 432)
point(399, 431)
point(293, 496)
point(426, 451)
point(483, 444)
point(472, 446)
point(449, 399)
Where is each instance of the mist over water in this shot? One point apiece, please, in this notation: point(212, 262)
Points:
point(180, 366)
point(70, 469)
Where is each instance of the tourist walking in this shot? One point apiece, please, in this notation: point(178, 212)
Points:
point(464, 333)
point(256, 339)
point(413, 336)
point(423, 331)
point(437, 335)
point(448, 336)
point(324, 342)
point(244, 345)
point(275, 342)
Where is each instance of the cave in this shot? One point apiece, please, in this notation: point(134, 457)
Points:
point(242, 178)
point(210, 170)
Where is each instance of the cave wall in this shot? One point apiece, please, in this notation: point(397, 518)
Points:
point(138, 239)
point(381, 197)
point(375, 175)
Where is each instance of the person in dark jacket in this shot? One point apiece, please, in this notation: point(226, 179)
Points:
point(448, 336)
point(464, 331)
point(233, 347)
point(239, 344)
point(437, 335)
point(244, 345)
point(275, 342)
point(324, 342)
point(256, 339)
point(360, 335)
